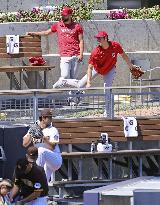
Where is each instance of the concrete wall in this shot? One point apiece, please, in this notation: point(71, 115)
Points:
point(140, 38)
point(134, 35)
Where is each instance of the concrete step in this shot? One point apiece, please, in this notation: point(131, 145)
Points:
point(100, 14)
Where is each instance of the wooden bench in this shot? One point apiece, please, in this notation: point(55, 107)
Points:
point(29, 47)
point(83, 131)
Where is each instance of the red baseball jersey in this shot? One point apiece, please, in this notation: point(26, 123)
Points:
point(103, 60)
point(68, 38)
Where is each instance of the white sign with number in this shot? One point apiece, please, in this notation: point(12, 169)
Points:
point(130, 127)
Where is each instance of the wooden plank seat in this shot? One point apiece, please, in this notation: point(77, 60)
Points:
point(127, 153)
point(24, 68)
point(30, 46)
point(83, 131)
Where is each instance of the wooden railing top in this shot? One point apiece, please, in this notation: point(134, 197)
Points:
point(32, 92)
point(68, 155)
point(50, 91)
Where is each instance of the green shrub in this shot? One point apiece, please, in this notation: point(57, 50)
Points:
point(81, 11)
point(145, 13)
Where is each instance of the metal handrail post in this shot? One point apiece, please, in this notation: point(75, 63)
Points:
point(108, 101)
point(35, 107)
point(112, 105)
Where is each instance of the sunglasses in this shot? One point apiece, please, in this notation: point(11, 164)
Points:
point(100, 38)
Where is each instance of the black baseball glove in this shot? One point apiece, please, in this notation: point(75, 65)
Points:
point(36, 133)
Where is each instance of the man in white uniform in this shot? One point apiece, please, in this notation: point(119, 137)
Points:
point(46, 138)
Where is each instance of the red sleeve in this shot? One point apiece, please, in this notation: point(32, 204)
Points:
point(119, 48)
point(54, 27)
point(90, 60)
point(79, 29)
point(93, 57)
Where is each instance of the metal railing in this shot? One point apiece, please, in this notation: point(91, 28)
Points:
point(23, 106)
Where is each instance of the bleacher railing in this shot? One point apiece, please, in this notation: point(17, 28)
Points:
point(23, 106)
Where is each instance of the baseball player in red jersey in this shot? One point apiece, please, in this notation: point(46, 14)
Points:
point(70, 43)
point(103, 59)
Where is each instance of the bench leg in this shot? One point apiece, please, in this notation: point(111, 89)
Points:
point(69, 169)
point(80, 169)
point(36, 79)
point(20, 80)
point(35, 107)
point(61, 192)
point(69, 147)
point(110, 168)
point(158, 161)
point(130, 145)
point(11, 81)
point(140, 166)
point(100, 168)
point(53, 177)
point(130, 167)
point(45, 79)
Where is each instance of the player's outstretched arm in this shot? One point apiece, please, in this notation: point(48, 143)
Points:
point(89, 75)
point(135, 70)
point(127, 60)
point(40, 33)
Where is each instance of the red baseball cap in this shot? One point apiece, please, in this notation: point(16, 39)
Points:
point(66, 11)
point(101, 34)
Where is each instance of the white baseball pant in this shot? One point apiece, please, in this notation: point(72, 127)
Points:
point(108, 79)
point(38, 201)
point(49, 160)
point(69, 69)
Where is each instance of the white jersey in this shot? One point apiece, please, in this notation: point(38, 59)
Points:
point(53, 135)
point(50, 160)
